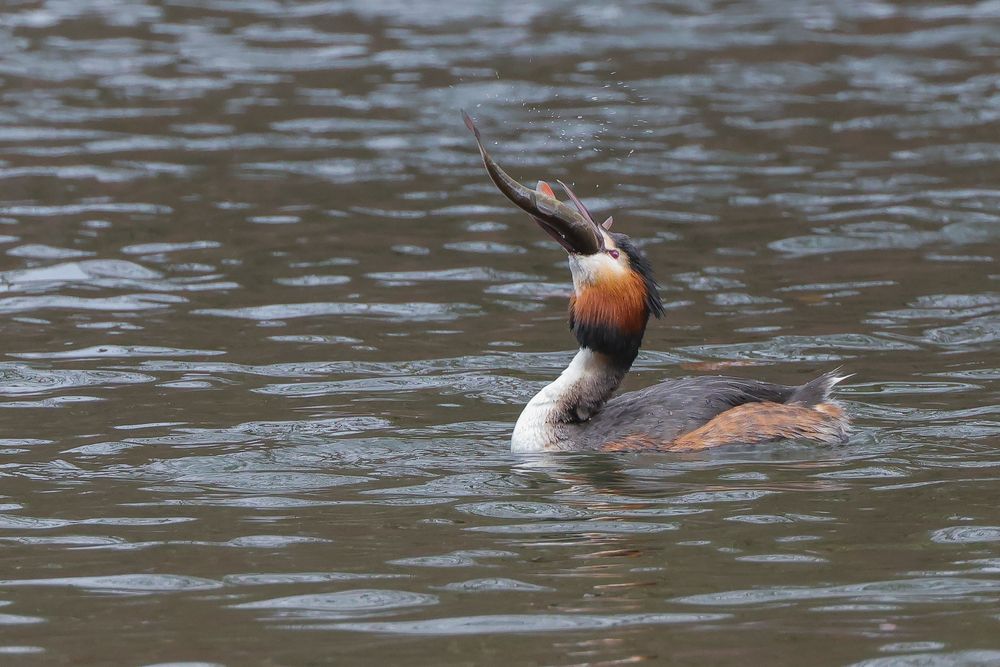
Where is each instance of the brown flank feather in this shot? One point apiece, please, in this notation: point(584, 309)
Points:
point(750, 423)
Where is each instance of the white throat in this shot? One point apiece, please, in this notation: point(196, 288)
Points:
point(559, 403)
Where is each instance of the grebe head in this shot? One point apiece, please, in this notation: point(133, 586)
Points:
point(613, 285)
point(614, 295)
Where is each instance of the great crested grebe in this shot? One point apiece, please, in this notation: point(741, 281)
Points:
point(614, 295)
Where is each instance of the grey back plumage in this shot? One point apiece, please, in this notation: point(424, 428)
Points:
point(672, 408)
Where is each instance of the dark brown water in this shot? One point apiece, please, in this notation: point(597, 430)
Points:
point(267, 327)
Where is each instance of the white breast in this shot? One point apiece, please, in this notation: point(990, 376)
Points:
point(535, 430)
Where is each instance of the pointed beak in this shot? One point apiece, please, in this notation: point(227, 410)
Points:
point(574, 230)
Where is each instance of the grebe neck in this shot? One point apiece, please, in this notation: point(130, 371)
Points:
point(574, 397)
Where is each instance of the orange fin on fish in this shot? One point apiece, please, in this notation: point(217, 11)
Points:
point(545, 189)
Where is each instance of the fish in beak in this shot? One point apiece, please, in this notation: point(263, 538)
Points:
point(575, 230)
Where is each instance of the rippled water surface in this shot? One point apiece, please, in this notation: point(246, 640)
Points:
point(267, 327)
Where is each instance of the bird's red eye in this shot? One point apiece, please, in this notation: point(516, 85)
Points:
point(613, 253)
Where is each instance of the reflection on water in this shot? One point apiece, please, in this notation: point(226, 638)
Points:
point(268, 326)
